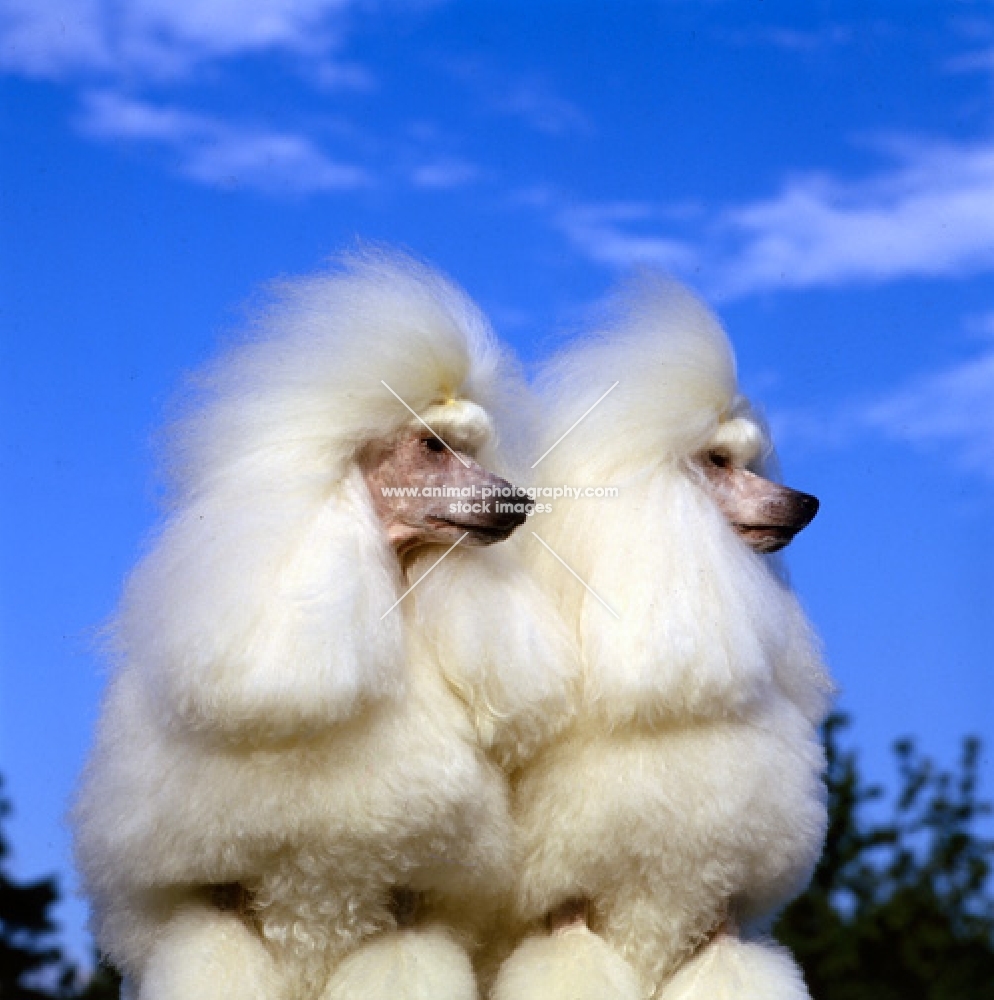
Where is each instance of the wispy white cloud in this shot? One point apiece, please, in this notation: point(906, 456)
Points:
point(343, 75)
point(218, 153)
point(981, 325)
point(273, 162)
point(55, 37)
point(977, 36)
point(616, 234)
point(949, 412)
point(535, 103)
point(975, 61)
point(155, 38)
point(931, 215)
point(530, 98)
point(952, 410)
point(444, 174)
point(793, 39)
point(108, 115)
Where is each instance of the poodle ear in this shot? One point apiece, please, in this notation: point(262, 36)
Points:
point(702, 628)
point(257, 613)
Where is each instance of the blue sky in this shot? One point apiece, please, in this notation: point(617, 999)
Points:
point(823, 172)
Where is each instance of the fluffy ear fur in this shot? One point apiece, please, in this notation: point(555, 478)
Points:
point(702, 628)
point(257, 611)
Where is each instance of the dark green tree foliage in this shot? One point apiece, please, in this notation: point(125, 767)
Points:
point(104, 984)
point(898, 909)
point(28, 956)
point(32, 966)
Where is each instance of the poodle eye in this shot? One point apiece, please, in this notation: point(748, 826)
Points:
point(433, 444)
point(719, 459)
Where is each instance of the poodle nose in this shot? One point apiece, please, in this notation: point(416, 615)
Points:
point(509, 513)
point(805, 508)
point(517, 498)
point(512, 519)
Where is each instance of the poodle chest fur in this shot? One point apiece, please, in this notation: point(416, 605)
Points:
point(690, 825)
point(320, 834)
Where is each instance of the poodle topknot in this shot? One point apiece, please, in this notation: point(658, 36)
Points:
point(296, 775)
point(686, 797)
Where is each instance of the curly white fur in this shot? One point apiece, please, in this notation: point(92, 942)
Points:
point(266, 725)
point(689, 788)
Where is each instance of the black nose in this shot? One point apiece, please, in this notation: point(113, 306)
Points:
point(516, 518)
point(805, 508)
point(512, 512)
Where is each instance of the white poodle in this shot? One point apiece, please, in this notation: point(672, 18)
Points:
point(297, 788)
point(685, 803)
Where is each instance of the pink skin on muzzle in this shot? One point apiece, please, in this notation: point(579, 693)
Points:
point(764, 514)
point(420, 464)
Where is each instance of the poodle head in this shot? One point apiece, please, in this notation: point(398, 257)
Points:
point(673, 403)
point(416, 483)
point(766, 515)
point(261, 609)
